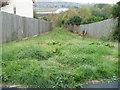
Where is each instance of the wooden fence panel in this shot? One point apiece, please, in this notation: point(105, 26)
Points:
point(19, 27)
point(29, 24)
point(6, 27)
point(39, 27)
point(13, 27)
point(35, 27)
point(96, 30)
point(42, 25)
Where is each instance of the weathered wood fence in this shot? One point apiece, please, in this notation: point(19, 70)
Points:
point(13, 27)
point(96, 30)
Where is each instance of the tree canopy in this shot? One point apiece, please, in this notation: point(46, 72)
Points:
point(116, 10)
point(116, 14)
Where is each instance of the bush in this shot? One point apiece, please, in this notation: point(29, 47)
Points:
point(75, 20)
point(63, 21)
point(94, 19)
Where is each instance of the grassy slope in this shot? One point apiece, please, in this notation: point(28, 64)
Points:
point(58, 59)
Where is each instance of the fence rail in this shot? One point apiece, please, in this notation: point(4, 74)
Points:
point(96, 30)
point(13, 27)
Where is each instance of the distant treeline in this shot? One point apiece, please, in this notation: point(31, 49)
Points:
point(87, 13)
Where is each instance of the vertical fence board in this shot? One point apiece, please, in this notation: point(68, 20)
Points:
point(31, 27)
point(35, 28)
point(19, 27)
point(39, 27)
point(42, 25)
point(13, 27)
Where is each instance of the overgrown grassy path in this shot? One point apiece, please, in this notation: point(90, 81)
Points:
point(58, 59)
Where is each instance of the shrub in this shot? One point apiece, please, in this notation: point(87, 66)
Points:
point(116, 33)
point(75, 20)
point(94, 19)
point(64, 21)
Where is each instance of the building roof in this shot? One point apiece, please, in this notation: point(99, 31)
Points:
point(6, 2)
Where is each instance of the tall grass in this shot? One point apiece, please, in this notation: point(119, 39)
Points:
point(58, 59)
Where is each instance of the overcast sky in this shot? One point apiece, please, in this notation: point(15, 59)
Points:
point(86, 1)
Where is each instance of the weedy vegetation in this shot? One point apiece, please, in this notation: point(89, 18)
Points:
point(58, 59)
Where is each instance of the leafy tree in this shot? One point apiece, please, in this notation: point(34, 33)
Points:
point(95, 11)
point(100, 5)
point(116, 14)
point(70, 13)
point(102, 10)
point(84, 12)
point(116, 10)
point(107, 10)
point(62, 18)
point(75, 20)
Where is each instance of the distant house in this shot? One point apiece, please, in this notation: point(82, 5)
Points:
point(18, 7)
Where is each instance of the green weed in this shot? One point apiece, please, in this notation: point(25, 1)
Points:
point(58, 59)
